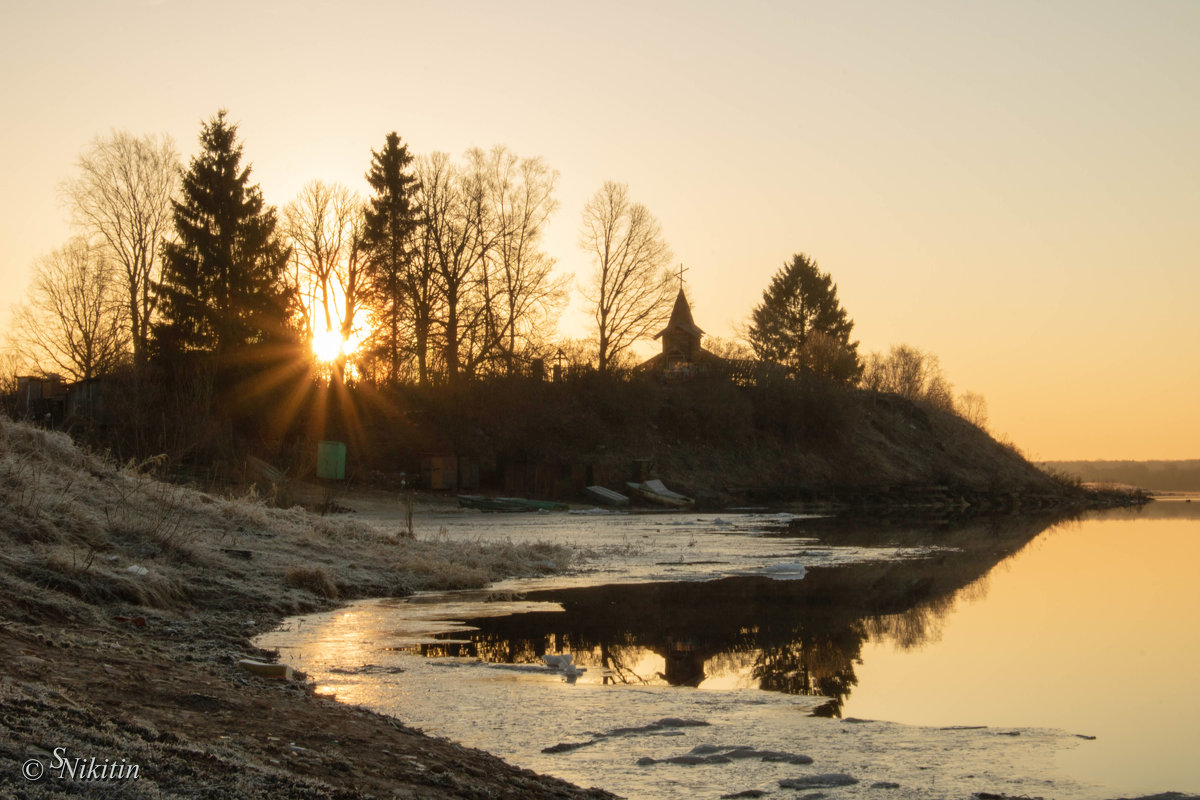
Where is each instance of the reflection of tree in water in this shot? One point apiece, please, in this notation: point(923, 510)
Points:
point(618, 661)
point(492, 649)
point(921, 624)
point(813, 666)
point(799, 637)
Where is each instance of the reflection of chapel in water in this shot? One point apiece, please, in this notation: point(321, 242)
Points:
point(801, 637)
point(684, 641)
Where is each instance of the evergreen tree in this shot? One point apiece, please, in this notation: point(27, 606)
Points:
point(222, 288)
point(801, 325)
point(399, 281)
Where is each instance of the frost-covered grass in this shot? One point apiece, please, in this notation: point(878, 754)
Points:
point(74, 526)
point(443, 563)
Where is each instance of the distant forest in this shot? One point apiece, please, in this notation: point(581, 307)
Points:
point(1157, 476)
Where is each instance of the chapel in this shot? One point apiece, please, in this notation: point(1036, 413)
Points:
point(681, 351)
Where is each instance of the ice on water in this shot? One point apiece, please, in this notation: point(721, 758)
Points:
point(650, 740)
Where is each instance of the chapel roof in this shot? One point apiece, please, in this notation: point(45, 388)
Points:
point(681, 317)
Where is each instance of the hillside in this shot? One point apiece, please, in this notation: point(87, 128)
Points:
point(709, 438)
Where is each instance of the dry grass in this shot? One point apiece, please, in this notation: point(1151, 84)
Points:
point(125, 603)
point(442, 563)
point(74, 526)
point(311, 579)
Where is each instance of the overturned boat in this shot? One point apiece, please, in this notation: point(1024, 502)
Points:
point(605, 496)
point(655, 492)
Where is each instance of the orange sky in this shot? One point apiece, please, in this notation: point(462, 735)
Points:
point(1014, 187)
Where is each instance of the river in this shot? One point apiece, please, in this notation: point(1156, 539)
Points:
point(723, 653)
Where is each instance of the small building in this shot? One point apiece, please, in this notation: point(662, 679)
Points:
point(682, 353)
point(40, 398)
point(85, 400)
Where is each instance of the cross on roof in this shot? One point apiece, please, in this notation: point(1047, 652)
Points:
point(682, 269)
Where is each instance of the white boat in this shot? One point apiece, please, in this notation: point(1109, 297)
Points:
point(656, 492)
point(605, 496)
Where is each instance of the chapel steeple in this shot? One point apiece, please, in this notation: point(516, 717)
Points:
point(681, 337)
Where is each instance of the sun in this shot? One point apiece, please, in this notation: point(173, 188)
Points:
point(330, 342)
point(328, 345)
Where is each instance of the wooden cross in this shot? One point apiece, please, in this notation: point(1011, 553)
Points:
point(682, 270)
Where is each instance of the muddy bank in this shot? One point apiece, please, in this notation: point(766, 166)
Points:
point(127, 603)
point(168, 698)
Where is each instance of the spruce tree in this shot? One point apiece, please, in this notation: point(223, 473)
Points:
point(222, 289)
point(398, 280)
point(801, 325)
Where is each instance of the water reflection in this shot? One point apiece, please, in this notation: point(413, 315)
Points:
point(1013, 662)
point(801, 637)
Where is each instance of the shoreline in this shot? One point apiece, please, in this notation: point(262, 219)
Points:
point(161, 688)
point(453, 727)
point(128, 603)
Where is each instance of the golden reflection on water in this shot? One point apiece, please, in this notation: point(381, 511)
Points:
point(1088, 627)
point(1091, 628)
point(730, 671)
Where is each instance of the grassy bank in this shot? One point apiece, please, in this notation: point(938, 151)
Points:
point(128, 601)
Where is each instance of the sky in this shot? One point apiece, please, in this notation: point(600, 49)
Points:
point(1014, 187)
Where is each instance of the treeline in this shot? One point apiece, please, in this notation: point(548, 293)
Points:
point(1155, 476)
point(439, 273)
point(215, 317)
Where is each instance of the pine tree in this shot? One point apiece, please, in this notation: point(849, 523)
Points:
point(801, 325)
point(222, 287)
point(398, 280)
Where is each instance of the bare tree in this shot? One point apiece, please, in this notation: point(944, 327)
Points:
point(909, 372)
point(524, 296)
point(576, 356)
point(631, 288)
point(11, 365)
point(972, 407)
point(73, 320)
point(456, 239)
point(122, 197)
point(729, 349)
point(324, 226)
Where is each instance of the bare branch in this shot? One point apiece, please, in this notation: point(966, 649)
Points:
point(73, 320)
point(122, 198)
point(631, 287)
point(523, 295)
point(324, 227)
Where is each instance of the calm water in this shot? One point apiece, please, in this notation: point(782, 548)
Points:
point(1016, 657)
